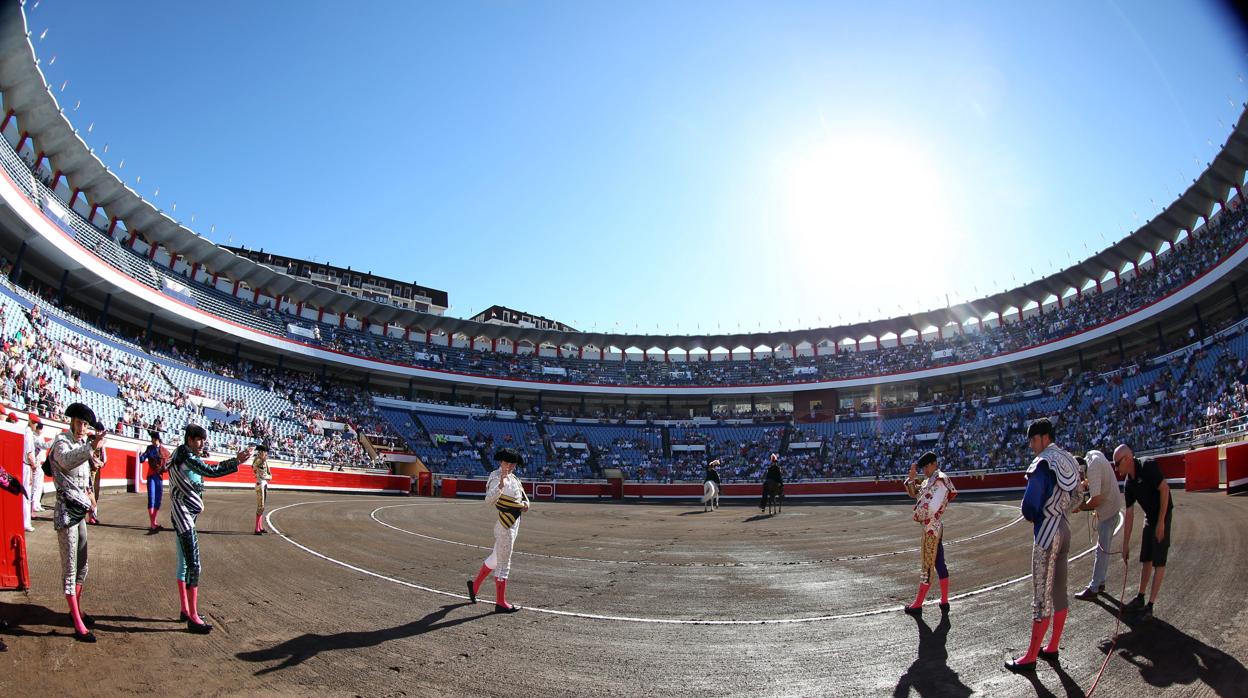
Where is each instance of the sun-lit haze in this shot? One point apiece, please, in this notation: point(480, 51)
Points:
point(689, 167)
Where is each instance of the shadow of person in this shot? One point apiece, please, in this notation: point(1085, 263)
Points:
point(1167, 656)
point(22, 617)
point(692, 513)
point(758, 517)
point(1070, 688)
point(297, 650)
point(930, 674)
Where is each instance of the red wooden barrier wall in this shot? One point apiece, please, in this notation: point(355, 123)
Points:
point(1200, 469)
point(1236, 468)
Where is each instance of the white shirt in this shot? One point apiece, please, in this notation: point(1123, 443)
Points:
point(510, 486)
point(1102, 481)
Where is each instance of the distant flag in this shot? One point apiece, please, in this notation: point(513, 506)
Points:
point(91, 127)
point(64, 85)
point(53, 61)
point(43, 34)
point(122, 165)
point(106, 147)
point(77, 104)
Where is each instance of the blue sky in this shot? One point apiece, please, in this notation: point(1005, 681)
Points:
point(684, 167)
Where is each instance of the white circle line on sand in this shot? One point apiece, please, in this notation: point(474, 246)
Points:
point(634, 619)
point(655, 563)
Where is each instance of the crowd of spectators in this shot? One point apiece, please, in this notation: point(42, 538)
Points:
point(1158, 277)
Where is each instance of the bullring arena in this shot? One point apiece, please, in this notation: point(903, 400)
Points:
point(143, 364)
point(362, 595)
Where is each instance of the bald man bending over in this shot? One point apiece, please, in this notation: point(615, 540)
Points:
point(1144, 484)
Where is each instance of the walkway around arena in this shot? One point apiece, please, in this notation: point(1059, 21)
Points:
point(364, 597)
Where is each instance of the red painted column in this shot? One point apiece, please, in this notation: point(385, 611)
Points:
point(73, 199)
point(298, 306)
point(1136, 267)
point(1098, 286)
point(236, 285)
point(194, 270)
point(407, 333)
point(112, 226)
point(342, 319)
point(751, 354)
point(878, 343)
point(8, 116)
point(580, 352)
point(857, 346)
point(173, 259)
point(320, 312)
point(56, 179)
point(730, 355)
point(793, 350)
point(151, 254)
point(91, 216)
point(255, 298)
point(980, 322)
point(39, 159)
point(515, 348)
point(919, 336)
point(686, 355)
point(22, 141)
point(134, 235)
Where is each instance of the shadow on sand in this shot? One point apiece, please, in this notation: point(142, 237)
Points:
point(300, 649)
point(930, 674)
point(1168, 657)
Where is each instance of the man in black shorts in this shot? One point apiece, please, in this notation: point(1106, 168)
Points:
point(1145, 484)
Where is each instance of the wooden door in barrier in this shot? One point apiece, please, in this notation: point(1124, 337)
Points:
point(1236, 468)
point(1200, 469)
point(13, 570)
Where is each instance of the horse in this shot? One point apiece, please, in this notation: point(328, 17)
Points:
point(710, 496)
point(774, 492)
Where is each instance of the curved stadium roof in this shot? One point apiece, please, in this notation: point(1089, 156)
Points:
point(29, 98)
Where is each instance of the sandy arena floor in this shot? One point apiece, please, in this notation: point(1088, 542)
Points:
point(364, 596)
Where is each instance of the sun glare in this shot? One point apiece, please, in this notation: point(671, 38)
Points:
point(873, 212)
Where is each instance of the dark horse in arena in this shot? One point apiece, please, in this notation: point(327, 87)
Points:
point(773, 492)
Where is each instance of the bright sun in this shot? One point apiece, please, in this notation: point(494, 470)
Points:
point(872, 211)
